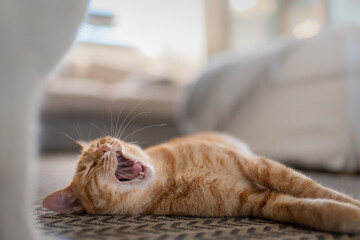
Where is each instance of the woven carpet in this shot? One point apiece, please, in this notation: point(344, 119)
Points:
point(84, 226)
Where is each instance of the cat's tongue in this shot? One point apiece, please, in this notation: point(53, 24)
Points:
point(130, 171)
point(137, 168)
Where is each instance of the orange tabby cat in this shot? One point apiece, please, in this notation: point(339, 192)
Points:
point(201, 175)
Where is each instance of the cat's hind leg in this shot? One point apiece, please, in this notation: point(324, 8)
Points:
point(275, 176)
point(321, 214)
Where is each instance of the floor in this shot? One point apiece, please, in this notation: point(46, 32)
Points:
point(56, 170)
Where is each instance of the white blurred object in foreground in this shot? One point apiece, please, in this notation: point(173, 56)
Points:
point(35, 35)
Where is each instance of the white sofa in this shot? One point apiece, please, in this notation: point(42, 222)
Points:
point(295, 101)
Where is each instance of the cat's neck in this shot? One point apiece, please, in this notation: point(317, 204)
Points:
point(163, 168)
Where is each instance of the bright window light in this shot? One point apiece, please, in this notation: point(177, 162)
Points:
point(243, 5)
point(306, 29)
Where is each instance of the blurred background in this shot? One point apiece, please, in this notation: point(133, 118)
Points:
point(134, 60)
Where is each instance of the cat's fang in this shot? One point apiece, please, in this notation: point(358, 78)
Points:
point(137, 168)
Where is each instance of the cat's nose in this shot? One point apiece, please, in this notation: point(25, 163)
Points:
point(103, 149)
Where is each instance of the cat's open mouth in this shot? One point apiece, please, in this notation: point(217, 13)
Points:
point(128, 169)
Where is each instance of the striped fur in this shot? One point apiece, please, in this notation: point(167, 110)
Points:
point(208, 174)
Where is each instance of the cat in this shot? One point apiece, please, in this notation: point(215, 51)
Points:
point(35, 36)
point(206, 175)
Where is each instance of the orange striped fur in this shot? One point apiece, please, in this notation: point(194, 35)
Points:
point(208, 174)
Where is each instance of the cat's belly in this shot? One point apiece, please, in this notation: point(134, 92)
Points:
point(227, 140)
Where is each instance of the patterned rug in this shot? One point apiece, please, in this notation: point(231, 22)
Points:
point(84, 226)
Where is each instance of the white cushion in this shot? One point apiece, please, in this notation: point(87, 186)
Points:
point(296, 101)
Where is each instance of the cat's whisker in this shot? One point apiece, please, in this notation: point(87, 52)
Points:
point(90, 130)
point(143, 128)
point(125, 163)
point(108, 134)
point(117, 130)
point(122, 123)
point(111, 124)
point(93, 159)
point(101, 131)
point(72, 139)
point(78, 130)
point(121, 167)
point(124, 174)
point(118, 170)
point(131, 120)
point(122, 171)
point(129, 114)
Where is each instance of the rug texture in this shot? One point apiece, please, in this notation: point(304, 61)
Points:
point(84, 226)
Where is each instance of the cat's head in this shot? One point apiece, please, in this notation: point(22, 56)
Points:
point(106, 166)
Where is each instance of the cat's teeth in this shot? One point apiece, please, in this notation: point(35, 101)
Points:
point(141, 175)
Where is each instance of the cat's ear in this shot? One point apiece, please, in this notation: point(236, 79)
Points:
point(63, 201)
point(81, 145)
